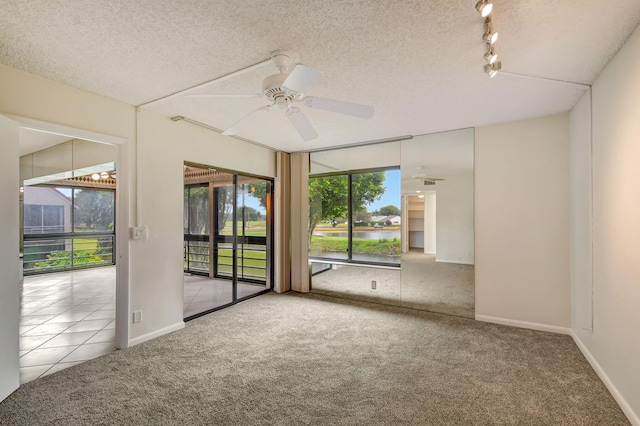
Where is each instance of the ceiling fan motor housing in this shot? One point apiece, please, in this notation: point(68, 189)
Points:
point(274, 90)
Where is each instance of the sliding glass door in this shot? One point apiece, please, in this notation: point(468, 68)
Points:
point(232, 259)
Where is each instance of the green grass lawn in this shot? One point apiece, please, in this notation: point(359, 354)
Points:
point(382, 247)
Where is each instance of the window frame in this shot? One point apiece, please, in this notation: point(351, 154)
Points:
point(350, 261)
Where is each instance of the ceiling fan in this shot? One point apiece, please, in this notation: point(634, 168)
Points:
point(286, 88)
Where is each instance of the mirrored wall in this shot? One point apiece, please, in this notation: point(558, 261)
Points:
point(393, 223)
point(438, 238)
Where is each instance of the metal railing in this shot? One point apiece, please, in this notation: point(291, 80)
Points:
point(63, 253)
point(251, 260)
point(43, 229)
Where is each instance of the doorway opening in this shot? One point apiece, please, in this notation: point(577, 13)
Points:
point(67, 228)
point(228, 222)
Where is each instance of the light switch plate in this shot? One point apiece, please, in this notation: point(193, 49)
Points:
point(139, 233)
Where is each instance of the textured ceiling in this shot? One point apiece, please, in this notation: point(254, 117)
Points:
point(419, 63)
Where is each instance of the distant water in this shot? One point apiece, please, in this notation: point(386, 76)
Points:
point(370, 235)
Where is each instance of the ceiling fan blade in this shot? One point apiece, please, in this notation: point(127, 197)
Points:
point(246, 121)
point(223, 95)
point(340, 107)
point(301, 124)
point(301, 77)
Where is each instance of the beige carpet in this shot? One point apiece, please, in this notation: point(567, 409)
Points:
point(308, 359)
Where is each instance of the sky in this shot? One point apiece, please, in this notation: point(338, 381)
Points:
point(392, 195)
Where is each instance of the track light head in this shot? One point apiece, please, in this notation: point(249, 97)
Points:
point(490, 56)
point(492, 69)
point(490, 37)
point(484, 8)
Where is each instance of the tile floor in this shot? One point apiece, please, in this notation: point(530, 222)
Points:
point(66, 318)
point(203, 293)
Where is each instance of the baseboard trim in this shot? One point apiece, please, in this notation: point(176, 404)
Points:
point(461, 262)
point(524, 324)
point(157, 333)
point(624, 405)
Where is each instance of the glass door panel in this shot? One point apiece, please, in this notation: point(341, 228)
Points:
point(196, 229)
point(208, 278)
point(223, 238)
point(231, 220)
point(253, 226)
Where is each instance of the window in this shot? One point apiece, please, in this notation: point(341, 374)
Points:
point(67, 228)
point(355, 216)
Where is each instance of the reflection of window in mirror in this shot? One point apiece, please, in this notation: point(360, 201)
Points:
point(356, 221)
point(366, 230)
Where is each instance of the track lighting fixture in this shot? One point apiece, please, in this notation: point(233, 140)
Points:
point(489, 37)
point(492, 69)
point(484, 8)
point(490, 56)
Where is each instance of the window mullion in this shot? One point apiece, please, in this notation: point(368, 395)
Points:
point(350, 216)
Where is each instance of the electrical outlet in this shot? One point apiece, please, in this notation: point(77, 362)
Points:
point(137, 316)
point(374, 285)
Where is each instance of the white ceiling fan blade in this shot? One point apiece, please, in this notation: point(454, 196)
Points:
point(340, 107)
point(225, 95)
point(301, 124)
point(246, 121)
point(301, 77)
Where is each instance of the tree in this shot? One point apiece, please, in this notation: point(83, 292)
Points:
point(93, 210)
point(365, 189)
point(197, 210)
point(225, 206)
point(328, 196)
point(258, 191)
point(249, 214)
point(389, 210)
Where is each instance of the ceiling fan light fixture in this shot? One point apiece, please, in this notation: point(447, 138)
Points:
point(484, 8)
point(288, 87)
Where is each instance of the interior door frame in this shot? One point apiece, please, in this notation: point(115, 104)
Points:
point(121, 213)
point(9, 260)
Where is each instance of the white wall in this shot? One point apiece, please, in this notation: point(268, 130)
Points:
point(581, 216)
point(522, 223)
point(614, 345)
point(64, 108)
point(454, 219)
point(431, 220)
point(9, 261)
point(156, 266)
point(159, 146)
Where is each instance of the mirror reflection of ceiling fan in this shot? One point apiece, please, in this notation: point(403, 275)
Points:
point(284, 90)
